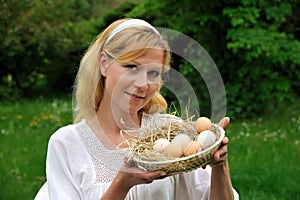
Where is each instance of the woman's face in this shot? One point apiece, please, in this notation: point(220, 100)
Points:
point(130, 86)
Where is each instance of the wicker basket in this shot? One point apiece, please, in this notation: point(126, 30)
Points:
point(152, 161)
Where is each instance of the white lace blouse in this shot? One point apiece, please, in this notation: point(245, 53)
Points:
point(78, 166)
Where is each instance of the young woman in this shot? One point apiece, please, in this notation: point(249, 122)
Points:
point(117, 87)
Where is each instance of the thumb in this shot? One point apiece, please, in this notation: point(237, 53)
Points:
point(224, 122)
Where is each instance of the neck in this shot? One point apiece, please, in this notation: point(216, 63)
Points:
point(116, 119)
point(111, 122)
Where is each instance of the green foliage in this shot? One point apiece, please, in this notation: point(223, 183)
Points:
point(268, 53)
point(255, 44)
point(41, 44)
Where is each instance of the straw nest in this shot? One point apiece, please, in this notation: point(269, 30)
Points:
point(141, 146)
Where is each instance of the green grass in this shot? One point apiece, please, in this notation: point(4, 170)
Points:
point(25, 128)
point(264, 153)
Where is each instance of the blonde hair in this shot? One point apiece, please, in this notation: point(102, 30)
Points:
point(125, 46)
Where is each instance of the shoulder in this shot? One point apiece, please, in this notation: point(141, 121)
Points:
point(65, 135)
point(62, 132)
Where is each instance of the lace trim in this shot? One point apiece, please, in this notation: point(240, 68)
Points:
point(106, 162)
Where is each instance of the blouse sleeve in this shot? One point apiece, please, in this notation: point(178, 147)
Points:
point(61, 182)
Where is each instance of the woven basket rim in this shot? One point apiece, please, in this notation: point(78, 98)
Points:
point(199, 154)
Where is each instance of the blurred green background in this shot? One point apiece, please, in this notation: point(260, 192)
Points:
point(254, 43)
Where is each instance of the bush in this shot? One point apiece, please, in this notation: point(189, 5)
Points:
point(255, 45)
point(40, 44)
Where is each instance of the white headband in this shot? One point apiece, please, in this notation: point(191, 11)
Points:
point(127, 24)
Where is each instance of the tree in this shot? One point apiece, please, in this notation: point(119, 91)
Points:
point(254, 43)
point(39, 40)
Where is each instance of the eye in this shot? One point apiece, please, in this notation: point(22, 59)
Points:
point(154, 73)
point(131, 67)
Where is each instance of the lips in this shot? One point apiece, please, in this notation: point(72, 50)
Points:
point(135, 96)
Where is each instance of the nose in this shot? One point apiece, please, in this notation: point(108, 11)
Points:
point(141, 80)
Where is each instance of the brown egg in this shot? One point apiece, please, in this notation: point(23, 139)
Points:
point(192, 148)
point(203, 123)
point(173, 150)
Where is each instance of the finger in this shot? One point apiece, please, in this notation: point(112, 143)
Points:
point(216, 163)
point(225, 141)
point(220, 153)
point(148, 177)
point(157, 174)
point(224, 122)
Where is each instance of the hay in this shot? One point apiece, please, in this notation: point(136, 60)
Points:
point(141, 145)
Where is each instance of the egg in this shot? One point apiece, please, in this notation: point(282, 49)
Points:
point(173, 150)
point(206, 138)
point(160, 144)
point(203, 123)
point(181, 140)
point(192, 148)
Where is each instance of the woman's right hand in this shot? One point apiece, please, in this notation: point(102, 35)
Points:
point(128, 176)
point(132, 175)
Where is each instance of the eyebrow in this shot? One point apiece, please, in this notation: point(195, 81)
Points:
point(135, 62)
point(155, 66)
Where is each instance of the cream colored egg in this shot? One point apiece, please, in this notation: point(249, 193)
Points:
point(206, 138)
point(203, 123)
point(173, 150)
point(181, 140)
point(192, 148)
point(160, 144)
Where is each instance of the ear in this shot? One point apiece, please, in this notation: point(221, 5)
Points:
point(103, 63)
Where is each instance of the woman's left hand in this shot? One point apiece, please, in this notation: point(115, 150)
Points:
point(221, 155)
